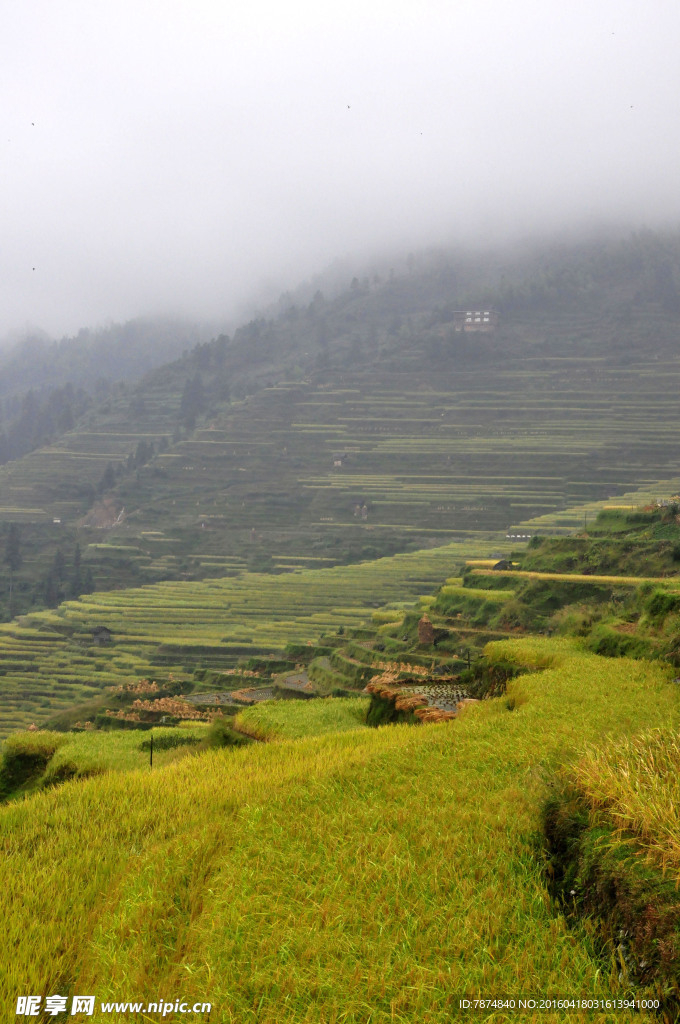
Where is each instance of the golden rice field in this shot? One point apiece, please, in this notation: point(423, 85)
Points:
point(363, 877)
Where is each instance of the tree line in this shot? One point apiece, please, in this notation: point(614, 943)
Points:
point(63, 579)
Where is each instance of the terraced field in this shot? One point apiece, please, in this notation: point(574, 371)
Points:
point(572, 519)
point(50, 660)
point(428, 456)
point(391, 454)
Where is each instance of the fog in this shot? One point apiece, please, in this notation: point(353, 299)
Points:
point(183, 157)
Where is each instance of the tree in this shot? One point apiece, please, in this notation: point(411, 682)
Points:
point(193, 401)
point(108, 480)
point(143, 453)
point(12, 557)
point(52, 591)
point(59, 566)
point(88, 582)
point(77, 579)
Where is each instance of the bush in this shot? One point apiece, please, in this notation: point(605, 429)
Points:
point(660, 604)
point(611, 644)
point(178, 739)
point(25, 757)
point(222, 734)
point(384, 712)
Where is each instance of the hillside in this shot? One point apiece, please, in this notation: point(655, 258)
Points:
point(46, 385)
point(364, 424)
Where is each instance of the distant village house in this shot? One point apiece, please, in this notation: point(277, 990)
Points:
point(468, 320)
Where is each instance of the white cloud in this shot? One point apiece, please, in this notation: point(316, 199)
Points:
point(179, 153)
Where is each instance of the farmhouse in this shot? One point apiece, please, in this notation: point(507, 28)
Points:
point(467, 320)
point(102, 635)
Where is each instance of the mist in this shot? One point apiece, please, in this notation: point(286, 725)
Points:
point(185, 158)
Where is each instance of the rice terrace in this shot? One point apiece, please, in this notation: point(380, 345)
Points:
point(340, 657)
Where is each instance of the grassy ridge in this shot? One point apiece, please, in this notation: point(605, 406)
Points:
point(285, 721)
point(245, 878)
point(42, 759)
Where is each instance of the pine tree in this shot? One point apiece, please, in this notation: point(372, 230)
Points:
point(51, 591)
point(59, 566)
point(12, 557)
point(76, 580)
point(108, 480)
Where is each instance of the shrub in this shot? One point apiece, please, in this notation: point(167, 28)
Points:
point(25, 757)
point(610, 644)
point(221, 734)
point(383, 712)
point(177, 739)
point(660, 604)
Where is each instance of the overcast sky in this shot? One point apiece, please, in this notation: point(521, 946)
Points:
point(179, 154)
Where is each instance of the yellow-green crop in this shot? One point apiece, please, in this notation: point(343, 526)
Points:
point(362, 877)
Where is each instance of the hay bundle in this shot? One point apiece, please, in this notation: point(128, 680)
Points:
point(409, 702)
point(425, 631)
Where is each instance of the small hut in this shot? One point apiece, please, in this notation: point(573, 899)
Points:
point(102, 635)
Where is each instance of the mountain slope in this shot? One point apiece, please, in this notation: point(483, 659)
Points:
point(364, 424)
